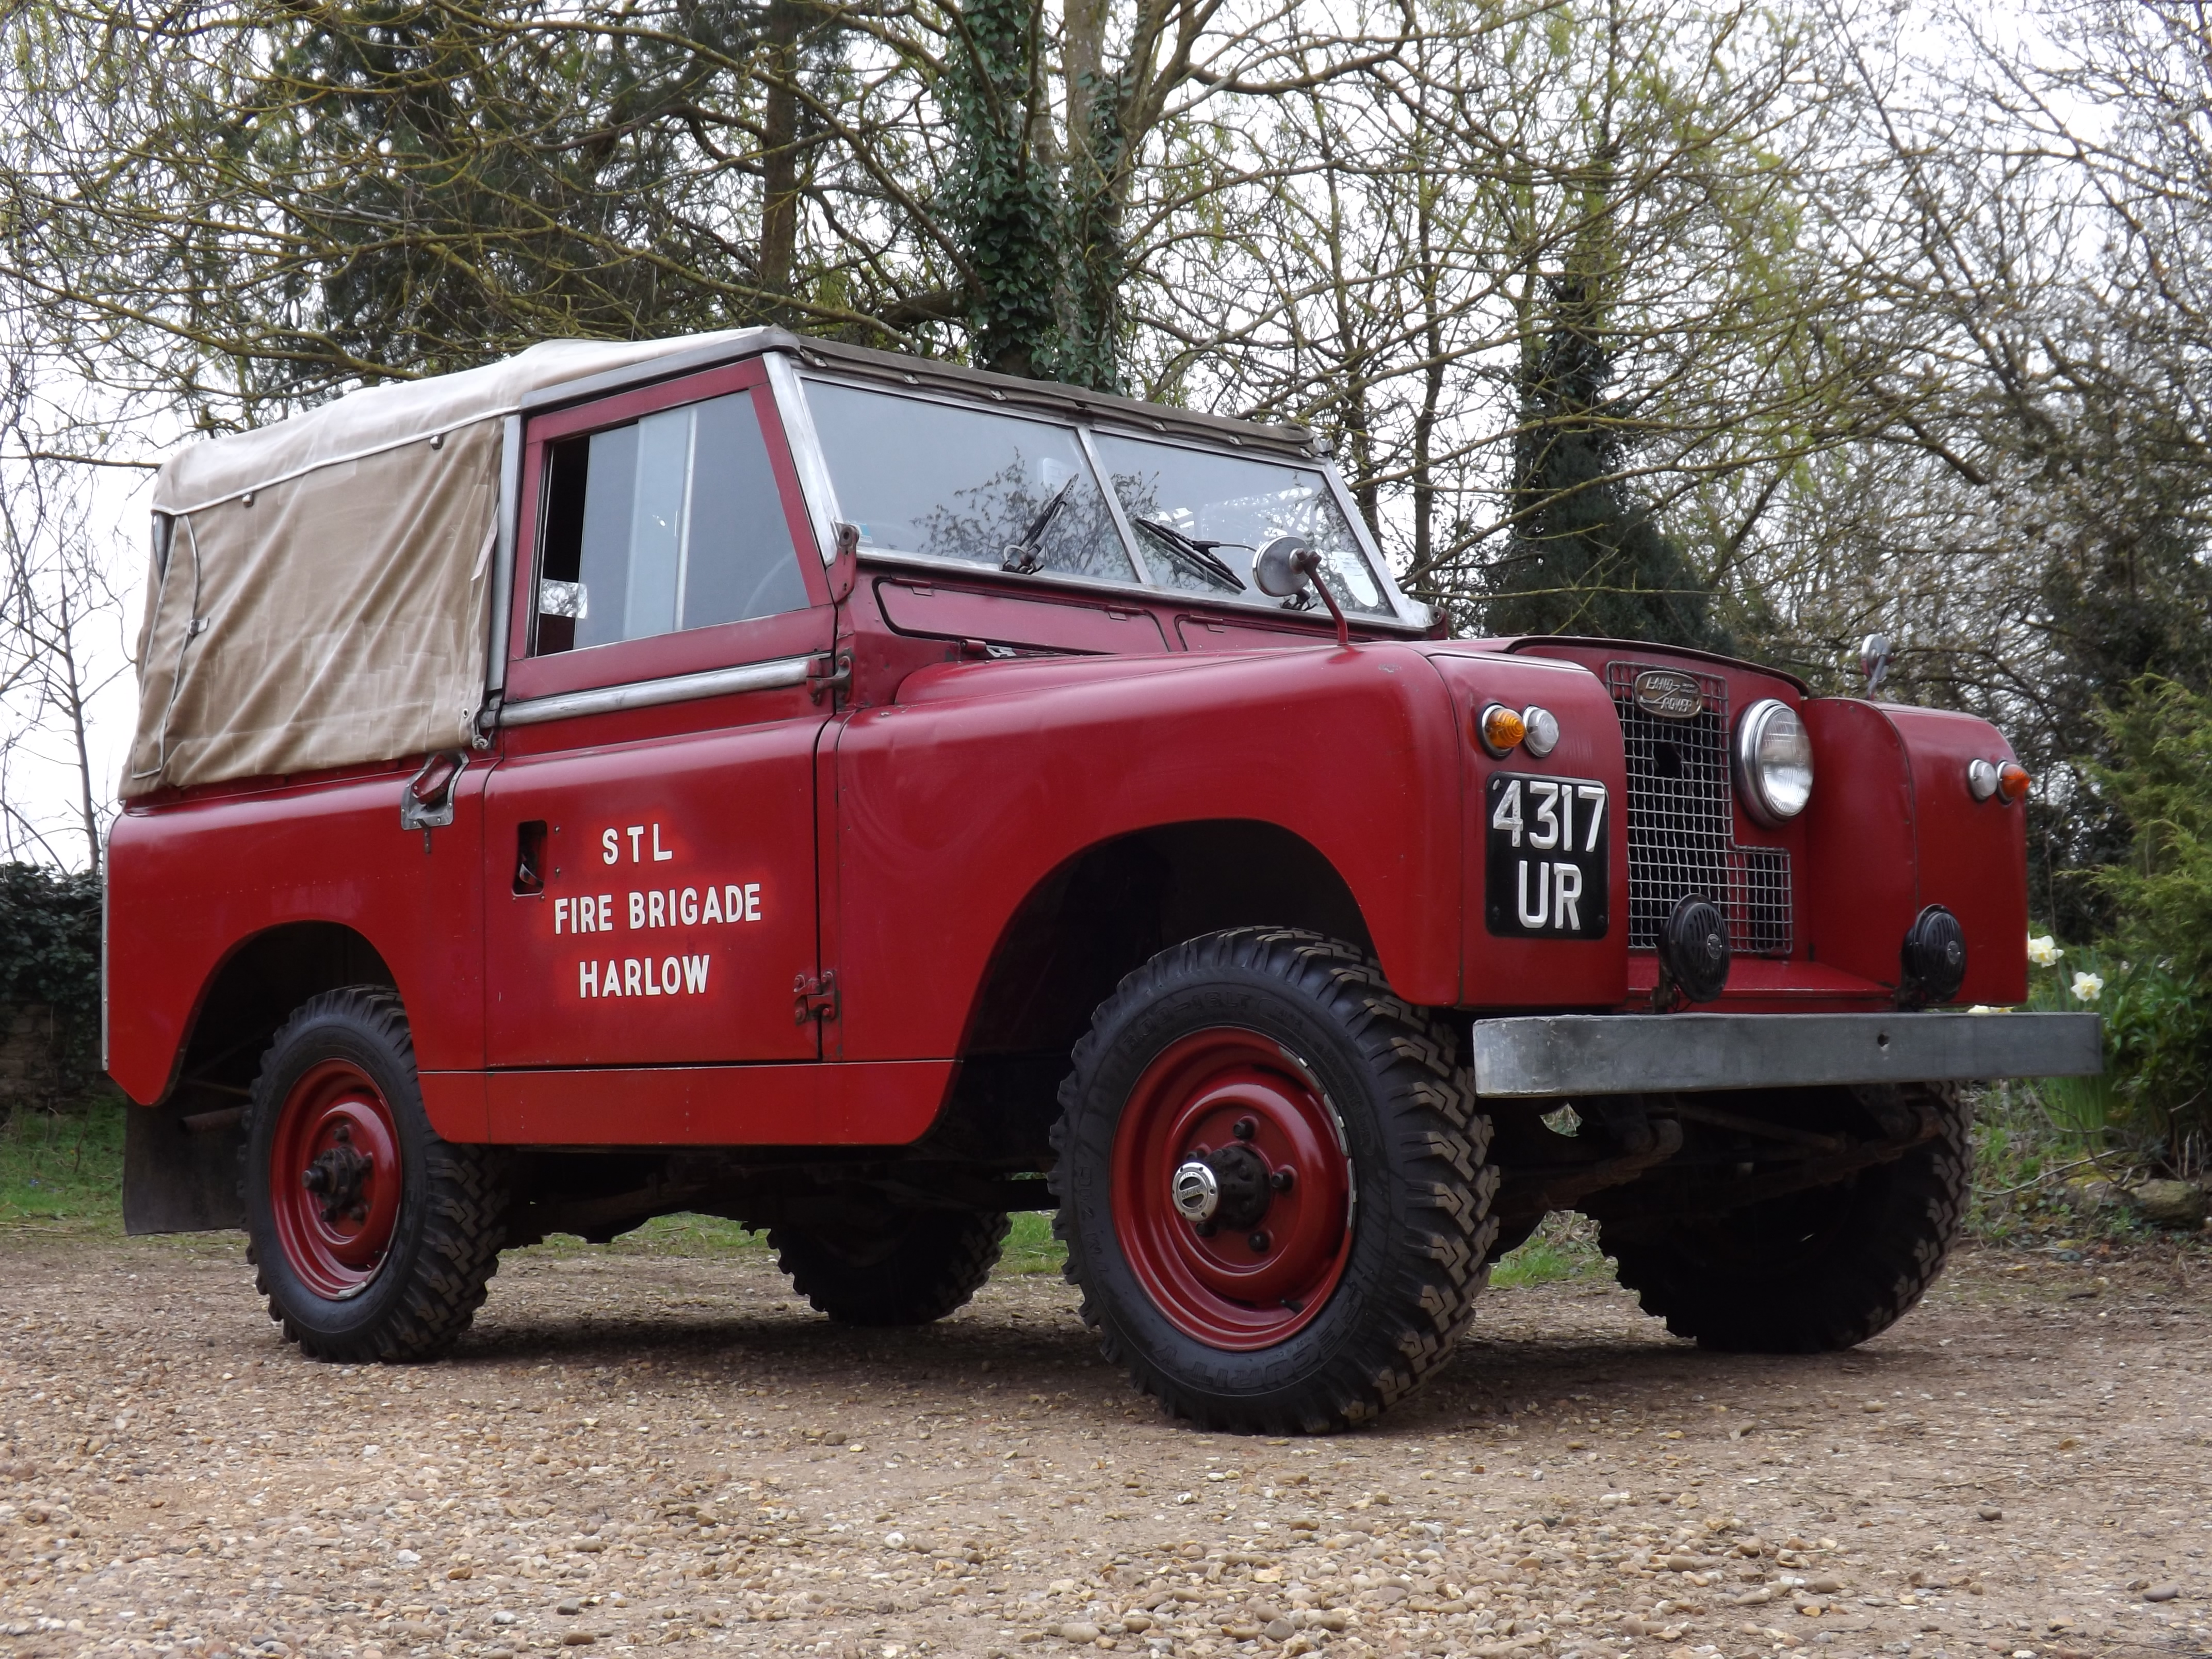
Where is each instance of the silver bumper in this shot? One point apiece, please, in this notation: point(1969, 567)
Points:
point(1557, 1054)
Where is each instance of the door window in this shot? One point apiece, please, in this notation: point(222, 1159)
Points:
point(664, 524)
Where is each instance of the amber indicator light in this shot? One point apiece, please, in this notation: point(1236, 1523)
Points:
point(1500, 728)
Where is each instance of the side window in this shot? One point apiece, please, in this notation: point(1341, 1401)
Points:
point(670, 522)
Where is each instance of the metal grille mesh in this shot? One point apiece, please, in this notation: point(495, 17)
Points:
point(1681, 825)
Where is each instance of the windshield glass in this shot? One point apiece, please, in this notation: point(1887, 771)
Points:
point(1203, 515)
point(917, 475)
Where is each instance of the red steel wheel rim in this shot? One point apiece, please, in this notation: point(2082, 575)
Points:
point(1221, 1290)
point(336, 1125)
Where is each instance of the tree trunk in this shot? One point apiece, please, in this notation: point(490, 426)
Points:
point(779, 152)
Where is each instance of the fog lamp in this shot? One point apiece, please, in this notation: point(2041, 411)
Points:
point(1500, 729)
point(1933, 957)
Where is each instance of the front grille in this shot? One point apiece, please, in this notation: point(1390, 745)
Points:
point(1681, 823)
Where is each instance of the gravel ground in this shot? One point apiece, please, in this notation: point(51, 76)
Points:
point(638, 1449)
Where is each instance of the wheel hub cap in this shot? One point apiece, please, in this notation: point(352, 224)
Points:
point(337, 1176)
point(1197, 1192)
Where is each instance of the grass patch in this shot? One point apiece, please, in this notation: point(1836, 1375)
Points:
point(1030, 1248)
point(686, 1234)
point(1562, 1248)
point(62, 1171)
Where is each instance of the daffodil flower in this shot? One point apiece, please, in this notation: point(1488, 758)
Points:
point(2044, 952)
point(2087, 988)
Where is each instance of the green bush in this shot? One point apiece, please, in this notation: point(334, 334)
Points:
point(50, 954)
point(2158, 1023)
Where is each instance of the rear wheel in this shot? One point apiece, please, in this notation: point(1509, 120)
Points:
point(925, 1265)
point(1815, 1271)
point(1271, 1183)
point(373, 1238)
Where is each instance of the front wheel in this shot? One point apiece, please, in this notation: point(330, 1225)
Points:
point(373, 1239)
point(1271, 1183)
point(1818, 1270)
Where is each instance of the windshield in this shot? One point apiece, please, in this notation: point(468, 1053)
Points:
point(1190, 503)
point(919, 476)
point(923, 476)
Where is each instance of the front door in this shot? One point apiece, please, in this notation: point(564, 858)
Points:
point(649, 830)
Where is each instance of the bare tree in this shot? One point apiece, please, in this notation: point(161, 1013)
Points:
point(61, 641)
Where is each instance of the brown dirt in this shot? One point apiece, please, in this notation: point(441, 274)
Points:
point(636, 1450)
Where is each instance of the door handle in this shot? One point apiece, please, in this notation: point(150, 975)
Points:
point(426, 803)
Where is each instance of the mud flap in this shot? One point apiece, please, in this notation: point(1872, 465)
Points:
point(180, 1168)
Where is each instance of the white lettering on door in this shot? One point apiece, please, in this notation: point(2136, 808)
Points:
point(588, 914)
point(667, 976)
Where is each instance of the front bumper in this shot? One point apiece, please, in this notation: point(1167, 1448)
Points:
point(1546, 1056)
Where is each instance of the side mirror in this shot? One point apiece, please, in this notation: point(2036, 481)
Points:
point(1874, 659)
point(1281, 568)
point(1284, 566)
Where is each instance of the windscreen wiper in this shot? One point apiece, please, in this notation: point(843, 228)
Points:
point(1197, 554)
point(1024, 558)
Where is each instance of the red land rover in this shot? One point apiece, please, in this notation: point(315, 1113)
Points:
point(863, 798)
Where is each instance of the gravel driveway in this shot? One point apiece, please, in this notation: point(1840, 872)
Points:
point(635, 1450)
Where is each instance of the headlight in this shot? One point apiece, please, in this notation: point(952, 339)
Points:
point(1773, 762)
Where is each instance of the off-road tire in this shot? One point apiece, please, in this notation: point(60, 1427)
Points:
point(1815, 1272)
point(1420, 1219)
point(445, 1243)
point(927, 1265)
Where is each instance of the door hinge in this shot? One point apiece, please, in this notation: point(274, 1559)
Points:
point(814, 997)
point(833, 683)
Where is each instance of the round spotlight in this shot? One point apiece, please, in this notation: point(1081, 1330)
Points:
point(1500, 729)
point(1541, 736)
point(1773, 762)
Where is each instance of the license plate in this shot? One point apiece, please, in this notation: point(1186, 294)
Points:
point(1547, 870)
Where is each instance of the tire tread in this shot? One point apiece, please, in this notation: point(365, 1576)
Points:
point(1441, 1262)
point(462, 1222)
point(1918, 1206)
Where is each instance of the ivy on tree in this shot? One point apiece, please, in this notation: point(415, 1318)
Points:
point(1041, 237)
point(1585, 556)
